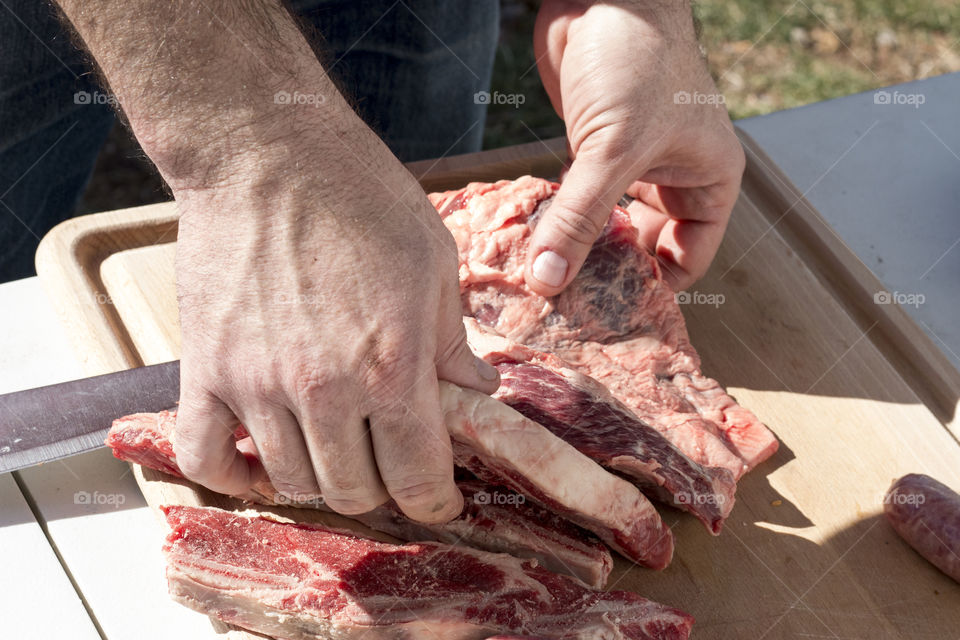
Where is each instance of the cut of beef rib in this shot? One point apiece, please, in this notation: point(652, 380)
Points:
point(502, 446)
point(302, 582)
point(519, 527)
point(580, 410)
point(616, 322)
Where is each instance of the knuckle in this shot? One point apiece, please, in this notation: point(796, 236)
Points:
point(285, 471)
point(296, 472)
point(353, 503)
point(420, 491)
point(345, 476)
point(192, 466)
point(280, 467)
point(293, 483)
point(456, 349)
point(739, 163)
point(388, 373)
point(577, 227)
point(196, 463)
point(310, 382)
point(296, 492)
point(254, 383)
point(346, 486)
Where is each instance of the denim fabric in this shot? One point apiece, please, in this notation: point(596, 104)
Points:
point(411, 67)
point(48, 139)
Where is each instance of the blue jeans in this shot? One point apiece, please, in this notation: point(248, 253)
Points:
point(412, 68)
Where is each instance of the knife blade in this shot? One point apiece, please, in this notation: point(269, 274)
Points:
point(53, 422)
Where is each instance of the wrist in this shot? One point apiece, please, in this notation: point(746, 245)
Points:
point(327, 165)
point(200, 146)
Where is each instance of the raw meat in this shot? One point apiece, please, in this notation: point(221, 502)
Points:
point(492, 440)
point(501, 446)
point(926, 513)
point(302, 582)
point(582, 412)
point(617, 321)
point(508, 525)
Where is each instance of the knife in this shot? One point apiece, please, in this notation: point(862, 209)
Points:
point(60, 420)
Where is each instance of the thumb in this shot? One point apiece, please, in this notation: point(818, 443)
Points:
point(565, 234)
point(456, 362)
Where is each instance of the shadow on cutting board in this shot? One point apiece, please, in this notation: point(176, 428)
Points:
point(756, 582)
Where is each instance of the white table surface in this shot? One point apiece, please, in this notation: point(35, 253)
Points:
point(67, 576)
point(887, 178)
point(65, 566)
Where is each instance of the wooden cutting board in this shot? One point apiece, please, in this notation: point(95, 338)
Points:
point(854, 390)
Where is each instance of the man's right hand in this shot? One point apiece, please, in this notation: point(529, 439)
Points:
point(319, 310)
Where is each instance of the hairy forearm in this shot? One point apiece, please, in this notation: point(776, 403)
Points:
point(207, 84)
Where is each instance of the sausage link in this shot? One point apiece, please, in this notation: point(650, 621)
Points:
point(926, 513)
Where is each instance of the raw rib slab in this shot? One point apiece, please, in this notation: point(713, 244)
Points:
point(502, 446)
point(617, 321)
point(520, 528)
point(301, 582)
point(485, 425)
point(580, 410)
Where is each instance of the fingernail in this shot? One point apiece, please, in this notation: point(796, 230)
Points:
point(486, 370)
point(550, 268)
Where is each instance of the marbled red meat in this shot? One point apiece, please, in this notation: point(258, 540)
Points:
point(616, 322)
point(302, 582)
point(583, 413)
point(514, 526)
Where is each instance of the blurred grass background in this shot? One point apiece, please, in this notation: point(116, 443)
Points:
point(765, 55)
